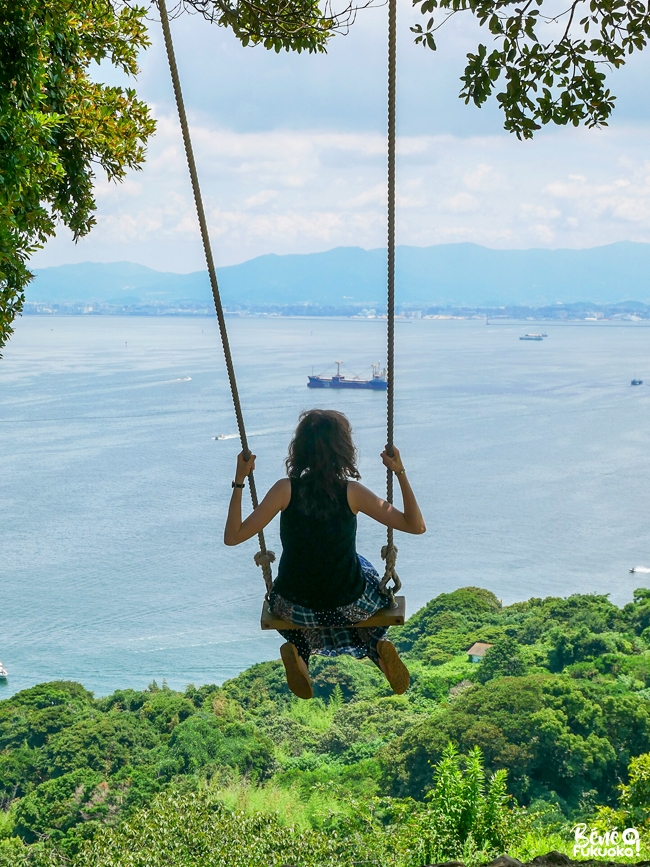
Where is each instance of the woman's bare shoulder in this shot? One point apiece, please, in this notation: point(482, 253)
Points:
point(358, 494)
point(282, 490)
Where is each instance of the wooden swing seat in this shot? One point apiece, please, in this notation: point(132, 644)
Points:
point(385, 617)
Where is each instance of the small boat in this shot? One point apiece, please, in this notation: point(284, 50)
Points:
point(377, 383)
point(4, 674)
point(637, 382)
point(533, 337)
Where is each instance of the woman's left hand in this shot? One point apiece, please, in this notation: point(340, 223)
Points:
point(244, 467)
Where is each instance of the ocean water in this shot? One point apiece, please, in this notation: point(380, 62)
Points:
point(531, 462)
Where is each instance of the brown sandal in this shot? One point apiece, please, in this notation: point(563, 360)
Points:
point(295, 667)
point(397, 674)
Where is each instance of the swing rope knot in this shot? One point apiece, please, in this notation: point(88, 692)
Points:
point(264, 559)
point(389, 554)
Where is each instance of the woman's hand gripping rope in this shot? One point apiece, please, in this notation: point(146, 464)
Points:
point(393, 462)
point(238, 531)
point(244, 467)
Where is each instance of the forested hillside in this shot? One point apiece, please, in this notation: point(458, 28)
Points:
point(462, 275)
point(561, 702)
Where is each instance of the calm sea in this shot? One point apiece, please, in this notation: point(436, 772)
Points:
point(531, 462)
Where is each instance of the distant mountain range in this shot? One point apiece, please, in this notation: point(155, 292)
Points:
point(447, 274)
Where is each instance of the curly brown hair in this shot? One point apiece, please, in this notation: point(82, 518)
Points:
point(323, 457)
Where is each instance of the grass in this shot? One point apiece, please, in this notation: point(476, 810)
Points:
point(292, 805)
point(315, 713)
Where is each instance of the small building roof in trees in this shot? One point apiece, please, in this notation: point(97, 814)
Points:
point(479, 648)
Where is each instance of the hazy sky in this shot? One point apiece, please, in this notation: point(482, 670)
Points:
point(291, 152)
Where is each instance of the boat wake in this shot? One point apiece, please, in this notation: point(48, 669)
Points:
point(255, 433)
point(181, 379)
point(644, 569)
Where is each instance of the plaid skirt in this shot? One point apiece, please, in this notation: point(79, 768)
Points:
point(331, 633)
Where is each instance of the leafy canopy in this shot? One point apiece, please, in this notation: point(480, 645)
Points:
point(292, 25)
point(551, 68)
point(57, 124)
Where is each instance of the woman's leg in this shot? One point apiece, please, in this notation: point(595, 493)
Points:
point(397, 674)
point(296, 670)
point(337, 633)
point(300, 639)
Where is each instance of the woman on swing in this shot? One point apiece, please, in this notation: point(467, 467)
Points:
point(322, 581)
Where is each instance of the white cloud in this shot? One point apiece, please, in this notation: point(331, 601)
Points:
point(461, 203)
point(483, 177)
point(304, 190)
point(261, 198)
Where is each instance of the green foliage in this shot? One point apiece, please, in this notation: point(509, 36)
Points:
point(13, 852)
point(74, 769)
point(435, 683)
point(634, 799)
point(195, 831)
point(203, 741)
point(503, 659)
point(457, 611)
point(554, 735)
point(355, 680)
point(432, 655)
point(578, 645)
point(638, 611)
point(260, 688)
point(297, 25)
point(102, 742)
point(68, 802)
point(559, 78)
point(56, 124)
point(469, 818)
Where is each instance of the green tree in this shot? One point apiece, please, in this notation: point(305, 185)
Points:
point(449, 614)
point(557, 75)
point(203, 740)
point(635, 796)
point(57, 805)
point(503, 659)
point(554, 734)
point(57, 124)
point(638, 611)
point(298, 25)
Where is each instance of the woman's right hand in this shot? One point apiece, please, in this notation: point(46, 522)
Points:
point(393, 463)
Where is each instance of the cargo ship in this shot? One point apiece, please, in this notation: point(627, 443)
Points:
point(377, 383)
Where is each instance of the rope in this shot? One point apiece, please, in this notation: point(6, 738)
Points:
point(263, 558)
point(389, 551)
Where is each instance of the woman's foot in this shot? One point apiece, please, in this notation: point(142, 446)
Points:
point(397, 674)
point(297, 672)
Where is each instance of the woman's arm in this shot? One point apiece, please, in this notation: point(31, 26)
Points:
point(276, 500)
point(361, 499)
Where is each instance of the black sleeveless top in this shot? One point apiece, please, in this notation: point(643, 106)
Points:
point(319, 567)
